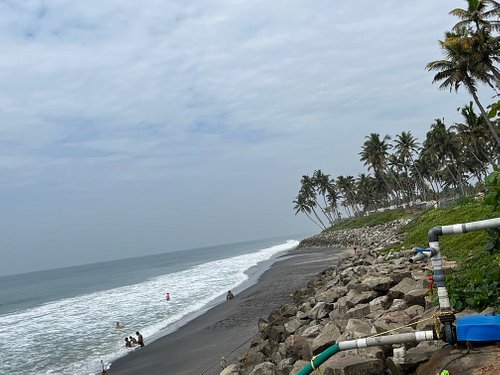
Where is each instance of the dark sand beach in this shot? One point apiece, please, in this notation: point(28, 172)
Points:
point(226, 329)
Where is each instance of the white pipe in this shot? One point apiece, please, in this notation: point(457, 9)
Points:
point(387, 340)
point(471, 227)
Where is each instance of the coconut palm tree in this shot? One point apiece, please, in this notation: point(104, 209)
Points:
point(480, 13)
point(366, 192)
point(323, 186)
point(308, 190)
point(474, 133)
point(459, 69)
point(405, 146)
point(302, 204)
point(443, 143)
point(374, 154)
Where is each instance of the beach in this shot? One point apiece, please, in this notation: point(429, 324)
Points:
point(227, 329)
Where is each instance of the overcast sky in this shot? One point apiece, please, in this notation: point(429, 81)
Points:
point(136, 127)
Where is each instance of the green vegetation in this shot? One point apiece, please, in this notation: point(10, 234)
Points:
point(454, 247)
point(371, 220)
point(476, 282)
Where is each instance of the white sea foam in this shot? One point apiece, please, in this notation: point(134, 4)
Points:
point(72, 335)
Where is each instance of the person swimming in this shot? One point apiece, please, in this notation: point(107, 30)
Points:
point(119, 325)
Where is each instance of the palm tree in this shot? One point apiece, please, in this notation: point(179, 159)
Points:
point(478, 13)
point(444, 145)
point(323, 186)
point(366, 192)
point(346, 186)
point(474, 134)
point(302, 204)
point(405, 145)
point(374, 154)
point(308, 190)
point(459, 69)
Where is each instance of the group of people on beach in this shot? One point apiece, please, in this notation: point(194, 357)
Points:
point(131, 341)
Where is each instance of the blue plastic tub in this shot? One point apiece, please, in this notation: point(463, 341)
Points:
point(478, 328)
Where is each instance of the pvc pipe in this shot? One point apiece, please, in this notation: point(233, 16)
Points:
point(387, 340)
point(471, 227)
point(365, 343)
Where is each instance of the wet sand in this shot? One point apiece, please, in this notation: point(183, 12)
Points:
point(227, 329)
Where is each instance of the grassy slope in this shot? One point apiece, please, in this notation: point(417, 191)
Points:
point(476, 284)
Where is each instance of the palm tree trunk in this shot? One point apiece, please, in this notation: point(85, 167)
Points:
point(314, 221)
point(486, 118)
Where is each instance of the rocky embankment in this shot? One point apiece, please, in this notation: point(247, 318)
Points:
point(364, 238)
point(366, 294)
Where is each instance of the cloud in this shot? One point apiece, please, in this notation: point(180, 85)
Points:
point(198, 105)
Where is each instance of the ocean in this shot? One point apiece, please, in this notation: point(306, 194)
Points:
point(62, 321)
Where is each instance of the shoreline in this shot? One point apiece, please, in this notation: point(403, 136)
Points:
point(226, 329)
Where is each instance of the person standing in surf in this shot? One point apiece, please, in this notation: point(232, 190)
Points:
point(140, 339)
point(167, 296)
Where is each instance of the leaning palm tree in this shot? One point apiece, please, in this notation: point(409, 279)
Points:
point(457, 70)
point(308, 190)
point(302, 204)
point(323, 186)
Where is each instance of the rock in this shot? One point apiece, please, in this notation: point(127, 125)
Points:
point(378, 283)
point(233, 369)
point(403, 287)
point(297, 347)
point(354, 297)
point(356, 285)
point(398, 304)
point(488, 311)
point(264, 368)
point(380, 303)
point(353, 366)
point(414, 311)
point(363, 326)
point(288, 310)
point(327, 337)
point(277, 333)
point(319, 311)
point(358, 311)
point(284, 366)
point(251, 357)
point(312, 331)
point(292, 325)
point(399, 317)
point(416, 297)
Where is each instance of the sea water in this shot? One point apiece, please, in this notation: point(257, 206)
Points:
point(62, 321)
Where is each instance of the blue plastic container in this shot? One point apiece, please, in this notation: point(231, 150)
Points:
point(478, 328)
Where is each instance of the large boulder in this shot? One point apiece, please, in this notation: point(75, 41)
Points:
point(233, 369)
point(403, 287)
point(264, 368)
point(320, 311)
point(297, 347)
point(355, 297)
point(353, 366)
point(328, 336)
point(251, 357)
point(378, 283)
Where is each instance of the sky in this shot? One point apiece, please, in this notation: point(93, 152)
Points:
point(137, 127)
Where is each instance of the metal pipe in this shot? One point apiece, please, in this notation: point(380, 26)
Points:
point(365, 343)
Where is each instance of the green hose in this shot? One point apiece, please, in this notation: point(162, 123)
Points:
point(318, 361)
